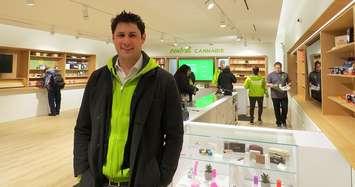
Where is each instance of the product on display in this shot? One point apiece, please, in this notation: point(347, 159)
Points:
point(208, 172)
point(234, 146)
point(252, 154)
point(277, 159)
point(265, 180)
point(214, 175)
point(278, 183)
point(260, 159)
point(204, 151)
point(256, 148)
point(347, 68)
point(281, 152)
point(256, 180)
point(195, 182)
point(341, 40)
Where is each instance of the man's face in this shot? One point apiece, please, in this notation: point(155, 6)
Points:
point(277, 68)
point(128, 41)
point(318, 67)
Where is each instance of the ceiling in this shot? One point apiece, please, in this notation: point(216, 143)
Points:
point(186, 22)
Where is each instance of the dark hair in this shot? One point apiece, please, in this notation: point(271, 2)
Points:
point(278, 63)
point(128, 17)
point(183, 69)
point(316, 63)
point(256, 70)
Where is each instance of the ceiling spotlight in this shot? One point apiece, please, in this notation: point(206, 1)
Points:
point(30, 2)
point(52, 31)
point(239, 38)
point(175, 44)
point(210, 4)
point(187, 47)
point(162, 38)
point(85, 12)
point(222, 24)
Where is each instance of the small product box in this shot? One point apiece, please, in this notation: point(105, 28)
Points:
point(341, 40)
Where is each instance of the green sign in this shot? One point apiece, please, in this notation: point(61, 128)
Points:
point(182, 50)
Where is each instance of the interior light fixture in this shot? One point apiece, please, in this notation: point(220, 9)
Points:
point(210, 4)
point(175, 44)
point(85, 12)
point(162, 38)
point(223, 24)
point(30, 2)
point(52, 30)
point(239, 38)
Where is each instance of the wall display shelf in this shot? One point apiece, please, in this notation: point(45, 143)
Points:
point(342, 102)
point(162, 62)
point(28, 67)
point(337, 64)
point(242, 67)
point(238, 156)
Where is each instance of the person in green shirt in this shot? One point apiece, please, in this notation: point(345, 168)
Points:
point(256, 86)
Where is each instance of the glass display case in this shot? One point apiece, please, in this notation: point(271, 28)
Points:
point(232, 156)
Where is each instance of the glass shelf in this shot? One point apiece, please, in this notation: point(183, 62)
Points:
point(227, 132)
point(218, 158)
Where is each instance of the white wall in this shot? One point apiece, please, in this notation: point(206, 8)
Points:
point(289, 30)
point(17, 106)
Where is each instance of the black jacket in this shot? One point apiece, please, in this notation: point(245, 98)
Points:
point(183, 83)
point(226, 80)
point(155, 134)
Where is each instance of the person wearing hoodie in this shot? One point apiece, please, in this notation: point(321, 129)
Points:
point(256, 85)
point(129, 130)
point(226, 80)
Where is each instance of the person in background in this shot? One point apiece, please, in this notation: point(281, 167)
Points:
point(129, 130)
point(53, 89)
point(182, 79)
point(315, 82)
point(192, 80)
point(217, 72)
point(226, 80)
point(276, 80)
point(256, 85)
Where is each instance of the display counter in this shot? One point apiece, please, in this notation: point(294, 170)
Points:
point(240, 155)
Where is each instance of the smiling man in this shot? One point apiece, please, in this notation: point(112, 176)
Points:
point(129, 130)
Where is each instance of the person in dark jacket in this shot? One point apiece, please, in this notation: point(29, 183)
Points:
point(226, 80)
point(315, 82)
point(182, 79)
point(129, 130)
point(54, 95)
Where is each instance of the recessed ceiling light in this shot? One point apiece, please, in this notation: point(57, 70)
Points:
point(210, 4)
point(30, 2)
point(222, 24)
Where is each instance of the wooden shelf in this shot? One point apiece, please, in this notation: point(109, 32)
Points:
point(36, 77)
point(78, 59)
point(76, 77)
point(46, 57)
point(342, 49)
point(36, 69)
point(341, 75)
point(76, 70)
point(342, 102)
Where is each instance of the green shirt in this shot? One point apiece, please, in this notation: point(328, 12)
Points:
point(256, 85)
point(119, 124)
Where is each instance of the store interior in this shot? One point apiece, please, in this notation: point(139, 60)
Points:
point(316, 148)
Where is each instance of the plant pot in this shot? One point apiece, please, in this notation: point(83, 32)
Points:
point(208, 176)
point(265, 184)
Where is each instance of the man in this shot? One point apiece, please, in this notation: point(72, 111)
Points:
point(129, 130)
point(276, 81)
point(53, 89)
point(315, 82)
point(226, 80)
point(257, 88)
point(182, 79)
